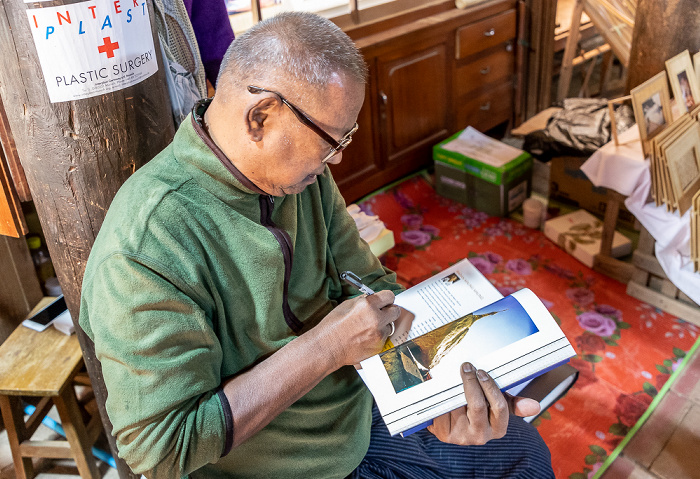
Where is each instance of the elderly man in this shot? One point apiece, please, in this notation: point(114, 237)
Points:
point(213, 297)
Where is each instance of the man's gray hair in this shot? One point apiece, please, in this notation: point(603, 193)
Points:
point(291, 46)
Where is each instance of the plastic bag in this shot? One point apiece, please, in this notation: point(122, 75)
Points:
point(578, 129)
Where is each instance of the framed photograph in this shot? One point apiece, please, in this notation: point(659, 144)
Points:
point(651, 102)
point(683, 158)
point(661, 142)
point(684, 81)
point(696, 63)
point(693, 231)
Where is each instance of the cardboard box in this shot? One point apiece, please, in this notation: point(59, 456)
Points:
point(568, 183)
point(496, 191)
point(579, 234)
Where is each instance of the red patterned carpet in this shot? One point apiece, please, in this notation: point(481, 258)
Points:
point(626, 348)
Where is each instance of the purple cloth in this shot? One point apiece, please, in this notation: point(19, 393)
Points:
point(213, 31)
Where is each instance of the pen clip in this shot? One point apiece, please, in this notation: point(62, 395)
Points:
point(351, 278)
point(355, 280)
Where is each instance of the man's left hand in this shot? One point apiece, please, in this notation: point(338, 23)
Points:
point(486, 414)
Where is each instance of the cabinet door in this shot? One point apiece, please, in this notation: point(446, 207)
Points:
point(354, 174)
point(413, 101)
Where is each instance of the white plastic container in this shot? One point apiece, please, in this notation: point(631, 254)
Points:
point(533, 210)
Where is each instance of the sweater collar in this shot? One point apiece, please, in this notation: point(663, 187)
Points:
point(200, 128)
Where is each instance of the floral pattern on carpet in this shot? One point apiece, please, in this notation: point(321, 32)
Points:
point(626, 349)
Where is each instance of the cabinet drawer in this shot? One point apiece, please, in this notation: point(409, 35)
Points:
point(487, 71)
point(488, 109)
point(484, 34)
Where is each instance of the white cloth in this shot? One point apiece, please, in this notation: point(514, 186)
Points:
point(624, 169)
point(618, 167)
point(672, 235)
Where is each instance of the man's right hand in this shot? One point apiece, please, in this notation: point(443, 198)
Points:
point(358, 328)
point(353, 331)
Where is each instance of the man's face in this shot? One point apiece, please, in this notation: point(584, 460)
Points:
point(297, 152)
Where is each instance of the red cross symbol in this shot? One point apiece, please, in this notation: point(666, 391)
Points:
point(108, 47)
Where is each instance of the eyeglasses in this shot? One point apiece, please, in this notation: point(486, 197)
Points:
point(336, 146)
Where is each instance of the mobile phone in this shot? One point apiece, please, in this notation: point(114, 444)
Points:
point(43, 318)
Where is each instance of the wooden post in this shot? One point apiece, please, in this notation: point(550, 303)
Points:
point(76, 154)
point(540, 35)
point(662, 29)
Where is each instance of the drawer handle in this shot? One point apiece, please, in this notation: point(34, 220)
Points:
point(385, 99)
point(490, 33)
point(486, 106)
point(485, 71)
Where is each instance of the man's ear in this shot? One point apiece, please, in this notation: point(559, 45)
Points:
point(256, 115)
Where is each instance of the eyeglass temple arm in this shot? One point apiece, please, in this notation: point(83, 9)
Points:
point(300, 116)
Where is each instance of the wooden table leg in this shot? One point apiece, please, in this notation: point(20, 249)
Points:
point(604, 262)
point(76, 433)
point(13, 416)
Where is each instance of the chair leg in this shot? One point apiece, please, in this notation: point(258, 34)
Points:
point(76, 433)
point(13, 417)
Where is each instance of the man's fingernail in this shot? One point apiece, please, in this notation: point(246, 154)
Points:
point(481, 374)
point(467, 367)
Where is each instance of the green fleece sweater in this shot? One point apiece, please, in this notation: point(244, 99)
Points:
point(184, 288)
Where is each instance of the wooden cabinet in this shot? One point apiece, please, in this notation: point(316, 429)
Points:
point(429, 78)
point(412, 102)
point(484, 71)
point(487, 109)
point(360, 172)
point(490, 32)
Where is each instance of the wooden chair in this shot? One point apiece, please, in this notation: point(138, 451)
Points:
point(45, 365)
point(614, 20)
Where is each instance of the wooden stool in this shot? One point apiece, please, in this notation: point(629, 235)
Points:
point(44, 365)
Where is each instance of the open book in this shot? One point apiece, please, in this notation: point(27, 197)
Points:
point(458, 316)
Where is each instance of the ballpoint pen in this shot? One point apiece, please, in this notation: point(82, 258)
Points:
point(354, 280)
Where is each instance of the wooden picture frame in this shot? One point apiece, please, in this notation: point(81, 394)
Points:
point(696, 64)
point(695, 232)
point(683, 159)
point(651, 102)
point(611, 111)
point(684, 82)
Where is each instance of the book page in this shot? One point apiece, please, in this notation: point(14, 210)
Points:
point(474, 144)
point(456, 291)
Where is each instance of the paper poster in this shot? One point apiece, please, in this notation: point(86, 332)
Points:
point(91, 48)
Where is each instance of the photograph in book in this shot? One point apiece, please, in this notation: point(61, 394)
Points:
point(489, 328)
point(456, 291)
